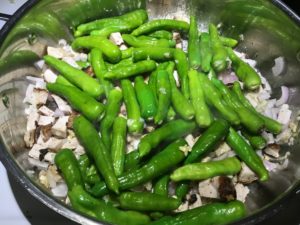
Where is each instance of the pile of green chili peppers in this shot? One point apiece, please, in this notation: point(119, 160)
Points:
point(142, 78)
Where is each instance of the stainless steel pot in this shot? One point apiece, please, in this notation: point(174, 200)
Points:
point(270, 29)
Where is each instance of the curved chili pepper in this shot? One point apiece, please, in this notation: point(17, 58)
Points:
point(106, 31)
point(193, 44)
point(205, 52)
point(138, 42)
point(132, 161)
point(256, 141)
point(214, 213)
point(203, 115)
point(131, 70)
point(180, 104)
point(228, 42)
point(162, 24)
point(164, 96)
point(88, 170)
point(247, 154)
point(76, 76)
point(86, 204)
point(158, 165)
point(118, 145)
point(271, 125)
point(161, 34)
point(146, 201)
point(202, 171)
point(244, 71)
point(214, 97)
point(161, 187)
point(109, 49)
point(154, 53)
point(167, 133)
point(61, 80)
point(208, 140)
point(250, 120)
point(181, 190)
point(146, 98)
point(100, 69)
point(135, 122)
point(182, 66)
point(114, 101)
point(131, 20)
point(79, 100)
point(66, 161)
point(89, 138)
point(219, 59)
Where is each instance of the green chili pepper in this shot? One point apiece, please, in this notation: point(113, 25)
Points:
point(214, 97)
point(250, 120)
point(228, 42)
point(256, 141)
point(76, 76)
point(106, 31)
point(219, 59)
point(131, 20)
point(132, 161)
point(208, 140)
point(171, 114)
point(161, 34)
point(158, 165)
point(135, 122)
point(79, 100)
point(114, 101)
point(61, 80)
point(162, 24)
point(180, 104)
point(161, 187)
point(164, 96)
point(131, 70)
point(214, 213)
point(109, 49)
point(203, 115)
point(81, 201)
point(167, 133)
point(182, 67)
point(138, 42)
point(181, 190)
point(127, 53)
point(244, 71)
point(145, 201)
point(270, 124)
point(118, 145)
point(193, 44)
point(89, 138)
point(66, 161)
point(247, 154)
point(205, 52)
point(88, 170)
point(123, 63)
point(146, 98)
point(202, 171)
point(154, 53)
point(100, 69)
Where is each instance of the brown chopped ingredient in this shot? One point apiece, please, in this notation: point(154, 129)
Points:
point(272, 150)
point(89, 71)
point(46, 131)
point(71, 119)
point(37, 132)
point(226, 189)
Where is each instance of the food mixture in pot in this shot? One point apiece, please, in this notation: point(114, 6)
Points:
point(154, 122)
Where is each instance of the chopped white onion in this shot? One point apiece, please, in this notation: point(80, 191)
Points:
point(284, 96)
point(278, 68)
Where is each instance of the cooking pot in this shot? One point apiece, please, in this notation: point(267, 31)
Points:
point(269, 30)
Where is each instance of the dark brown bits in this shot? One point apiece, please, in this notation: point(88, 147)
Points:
point(226, 189)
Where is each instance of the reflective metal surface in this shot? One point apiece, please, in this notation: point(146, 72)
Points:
point(268, 33)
